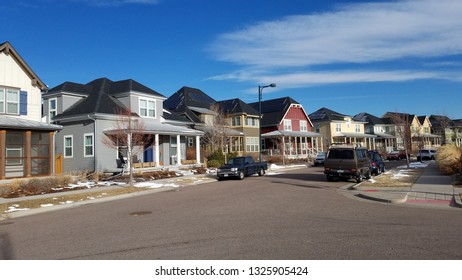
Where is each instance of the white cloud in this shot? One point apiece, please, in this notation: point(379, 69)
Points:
point(357, 33)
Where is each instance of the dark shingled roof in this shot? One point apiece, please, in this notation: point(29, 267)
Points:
point(369, 119)
point(273, 110)
point(325, 114)
point(100, 94)
point(237, 106)
point(188, 97)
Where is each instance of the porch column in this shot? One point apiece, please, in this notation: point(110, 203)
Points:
point(51, 152)
point(156, 145)
point(178, 150)
point(283, 150)
point(27, 150)
point(2, 153)
point(198, 150)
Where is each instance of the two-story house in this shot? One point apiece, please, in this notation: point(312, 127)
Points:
point(90, 113)
point(208, 116)
point(449, 130)
point(341, 129)
point(243, 118)
point(287, 129)
point(424, 137)
point(26, 143)
point(385, 140)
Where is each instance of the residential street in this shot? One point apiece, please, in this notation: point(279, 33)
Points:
point(294, 215)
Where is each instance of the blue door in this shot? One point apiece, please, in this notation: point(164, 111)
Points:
point(148, 154)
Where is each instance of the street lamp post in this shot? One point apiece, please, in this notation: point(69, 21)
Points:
point(260, 90)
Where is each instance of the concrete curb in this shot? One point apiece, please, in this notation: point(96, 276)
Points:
point(384, 197)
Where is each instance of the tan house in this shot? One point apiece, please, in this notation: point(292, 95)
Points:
point(26, 143)
point(338, 128)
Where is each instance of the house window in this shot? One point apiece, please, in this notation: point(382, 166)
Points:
point(190, 142)
point(251, 144)
point(317, 128)
point(147, 108)
point(68, 146)
point(288, 125)
point(426, 130)
point(52, 108)
point(303, 126)
point(236, 121)
point(9, 101)
point(88, 147)
point(338, 127)
point(357, 128)
point(251, 121)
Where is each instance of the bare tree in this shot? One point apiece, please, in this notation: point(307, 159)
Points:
point(216, 129)
point(129, 132)
point(403, 131)
point(441, 123)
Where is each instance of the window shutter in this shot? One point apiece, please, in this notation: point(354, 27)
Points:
point(23, 103)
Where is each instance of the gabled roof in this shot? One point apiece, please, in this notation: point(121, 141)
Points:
point(274, 110)
point(8, 49)
point(369, 119)
point(441, 121)
point(325, 114)
point(237, 106)
point(422, 119)
point(402, 116)
point(188, 97)
point(100, 96)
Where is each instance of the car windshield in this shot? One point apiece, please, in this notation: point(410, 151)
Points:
point(341, 154)
point(236, 161)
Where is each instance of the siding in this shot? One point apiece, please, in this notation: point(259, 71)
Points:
point(12, 75)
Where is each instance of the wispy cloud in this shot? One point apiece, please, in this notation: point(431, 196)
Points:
point(357, 34)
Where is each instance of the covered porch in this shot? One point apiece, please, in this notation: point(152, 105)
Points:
point(291, 144)
point(355, 138)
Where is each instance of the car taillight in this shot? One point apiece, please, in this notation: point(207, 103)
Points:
point(374, 164)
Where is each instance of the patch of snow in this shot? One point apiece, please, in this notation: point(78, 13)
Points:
point(46, 205)
point(14, 208)
point(87, 185)
point(371, 180)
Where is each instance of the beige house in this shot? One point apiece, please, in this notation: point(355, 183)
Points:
point(26, 143)
point(337, 128)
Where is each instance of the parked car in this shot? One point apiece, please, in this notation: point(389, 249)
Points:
point(319, 160)
point(377, 164)
point(396, 155)
point(347, 162)
point(239, 167)
point(426, 154)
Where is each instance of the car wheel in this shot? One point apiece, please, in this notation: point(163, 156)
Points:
point(368, 174)
point(330, 178)
point(359, 178)
point(261, 172)
point(241, 175)
point(220, 178)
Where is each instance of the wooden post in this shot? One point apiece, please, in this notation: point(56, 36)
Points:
point(2, 153)
point(28, 156)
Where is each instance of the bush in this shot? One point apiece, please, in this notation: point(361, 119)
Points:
point(449, 159)
point(215, 163)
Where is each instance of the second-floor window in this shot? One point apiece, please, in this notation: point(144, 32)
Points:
point(303, 126)
point(249, 121)
point(426, 130)
point(288, 125)
point(236, 121)
point(338, 127)
point(357, 128)
point(317, 128)
point(52, 108)
point(147, 108)
point(9, 101)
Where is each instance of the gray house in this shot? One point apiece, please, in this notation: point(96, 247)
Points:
point(91, 113)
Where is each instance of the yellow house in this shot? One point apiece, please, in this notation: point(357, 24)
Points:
point(337, 128)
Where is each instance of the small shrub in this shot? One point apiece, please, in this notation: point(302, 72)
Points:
point(215, 163)
point(449, 159)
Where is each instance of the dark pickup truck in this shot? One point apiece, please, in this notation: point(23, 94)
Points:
point(240, 167)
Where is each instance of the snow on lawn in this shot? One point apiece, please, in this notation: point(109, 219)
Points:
point(14, 208)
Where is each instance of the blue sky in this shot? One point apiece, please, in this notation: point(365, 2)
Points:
point(348, 56)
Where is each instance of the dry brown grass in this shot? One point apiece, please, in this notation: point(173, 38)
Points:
point(449, 159)
point(66, 198)
point(403, 178)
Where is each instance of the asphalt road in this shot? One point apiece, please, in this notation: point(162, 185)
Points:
point(295, 215)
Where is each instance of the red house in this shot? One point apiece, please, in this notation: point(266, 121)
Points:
point(287, 129)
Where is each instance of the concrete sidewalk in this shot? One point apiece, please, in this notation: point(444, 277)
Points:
point(432, 189)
